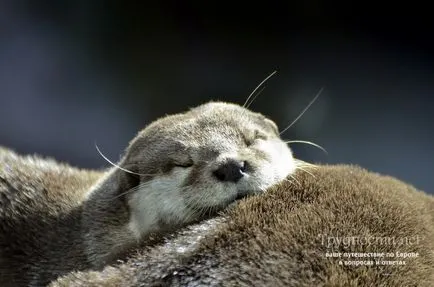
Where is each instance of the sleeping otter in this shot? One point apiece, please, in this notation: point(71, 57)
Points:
point(180, 169)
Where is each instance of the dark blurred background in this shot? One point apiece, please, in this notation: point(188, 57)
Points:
point(76, 72)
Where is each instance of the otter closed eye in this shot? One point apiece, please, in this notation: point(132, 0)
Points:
point(184, 165)
point(257, 135)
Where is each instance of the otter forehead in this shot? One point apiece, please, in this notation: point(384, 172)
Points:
point(218, 113)
point(208, 123)
point(215, 108)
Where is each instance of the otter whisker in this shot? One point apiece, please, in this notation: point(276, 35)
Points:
point(206, 210)
point(193, 204)
point(304, 166)
point(294, 179)
point(302, 112)
point(136, 188)
point(291, 182)
point(309, 143)
point(121, 194)
point(260, 84)
point(300, 163)
point(190, 215)
point(253, 99)
point(195, 210)
point(198, 201)
point(117, 166)
point(306, 171)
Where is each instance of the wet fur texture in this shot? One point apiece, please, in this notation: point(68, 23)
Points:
point(277, 239)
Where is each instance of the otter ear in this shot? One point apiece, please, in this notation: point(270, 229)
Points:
point(272, 125)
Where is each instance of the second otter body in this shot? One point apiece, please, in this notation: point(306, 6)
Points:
point(179, 169)
point(40, 219)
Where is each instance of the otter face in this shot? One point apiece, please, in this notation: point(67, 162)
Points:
point(201, 161)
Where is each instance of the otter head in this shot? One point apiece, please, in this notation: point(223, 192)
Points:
point(199, 162)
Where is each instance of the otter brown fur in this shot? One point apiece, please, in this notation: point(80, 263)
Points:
point(36, 206)
point(280, 238)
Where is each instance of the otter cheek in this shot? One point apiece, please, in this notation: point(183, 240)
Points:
point(281, 159)
point(158, 200)
point(285, 160)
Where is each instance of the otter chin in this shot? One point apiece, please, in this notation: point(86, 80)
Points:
point(186, 167)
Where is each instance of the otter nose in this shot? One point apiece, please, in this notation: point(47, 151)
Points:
point(231, 170)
